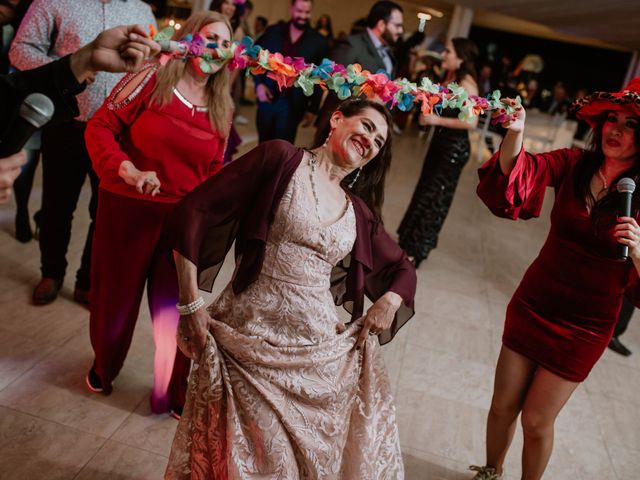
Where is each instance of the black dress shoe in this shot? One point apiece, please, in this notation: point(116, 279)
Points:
point(46, 291)
point(616, 345)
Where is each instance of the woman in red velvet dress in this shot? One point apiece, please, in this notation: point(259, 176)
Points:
point(562, 315)
point(160, 134)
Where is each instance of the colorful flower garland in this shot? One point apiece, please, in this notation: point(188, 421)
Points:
point(347, 81)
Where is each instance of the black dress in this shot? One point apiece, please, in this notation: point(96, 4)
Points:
point(447, 156)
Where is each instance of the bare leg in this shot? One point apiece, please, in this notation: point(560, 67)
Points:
point(546, 397)
point(514, 374)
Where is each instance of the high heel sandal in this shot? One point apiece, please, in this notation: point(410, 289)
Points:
point(485, 473)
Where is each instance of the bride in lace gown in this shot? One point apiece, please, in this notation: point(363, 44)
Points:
point(281, 388)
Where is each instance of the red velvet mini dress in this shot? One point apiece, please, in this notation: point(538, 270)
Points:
point(564, 311)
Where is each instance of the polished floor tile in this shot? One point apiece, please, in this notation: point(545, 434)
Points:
point(33, 448)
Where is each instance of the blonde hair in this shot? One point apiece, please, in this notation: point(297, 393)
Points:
point(219, 102)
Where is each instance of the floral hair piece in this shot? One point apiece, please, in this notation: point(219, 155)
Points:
point(345, 81)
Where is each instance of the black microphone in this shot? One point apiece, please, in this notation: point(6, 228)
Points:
point(36, 110)
point(625, 188)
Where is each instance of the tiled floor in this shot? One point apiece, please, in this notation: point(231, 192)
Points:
point(441, 364)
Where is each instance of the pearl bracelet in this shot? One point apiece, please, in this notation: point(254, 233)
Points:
point(190, 308)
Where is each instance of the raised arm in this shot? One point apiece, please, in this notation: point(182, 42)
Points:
point(513, 139)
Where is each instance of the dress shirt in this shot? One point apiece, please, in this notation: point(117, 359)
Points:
point(383, 51)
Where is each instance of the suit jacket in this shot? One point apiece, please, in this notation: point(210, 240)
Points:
point(55, 80)
point(360, 49)
point(356, 48)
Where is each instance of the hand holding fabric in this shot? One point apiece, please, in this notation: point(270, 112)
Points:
point(192, 333)
point(379, 317)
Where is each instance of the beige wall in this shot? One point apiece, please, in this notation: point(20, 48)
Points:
point(344, 12)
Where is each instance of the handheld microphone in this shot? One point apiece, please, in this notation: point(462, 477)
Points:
point(36, 110)
point(625, 188)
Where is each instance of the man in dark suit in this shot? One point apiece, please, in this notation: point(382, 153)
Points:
point(280, 112)
point(370, 48)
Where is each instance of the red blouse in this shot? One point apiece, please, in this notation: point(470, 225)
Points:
point(176, 140)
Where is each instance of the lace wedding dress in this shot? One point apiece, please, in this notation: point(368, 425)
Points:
point(280, 391)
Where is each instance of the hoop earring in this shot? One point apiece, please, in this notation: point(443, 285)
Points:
point(353, 182)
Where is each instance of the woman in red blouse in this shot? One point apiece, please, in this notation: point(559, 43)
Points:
point(160, 134)
point(562, 315)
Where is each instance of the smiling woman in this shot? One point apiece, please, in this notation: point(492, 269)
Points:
point(561, 317)
point(271, 351)
point(160, 134)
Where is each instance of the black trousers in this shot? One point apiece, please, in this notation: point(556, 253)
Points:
point(626, 313)
point(277, 120)
point(65, 166)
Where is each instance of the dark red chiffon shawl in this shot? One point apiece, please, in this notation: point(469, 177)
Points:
point(239, 204)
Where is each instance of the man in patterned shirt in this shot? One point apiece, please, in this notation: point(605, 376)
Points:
point(50, 30)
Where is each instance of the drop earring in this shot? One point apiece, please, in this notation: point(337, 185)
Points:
point(328, 137)
point(353, 182)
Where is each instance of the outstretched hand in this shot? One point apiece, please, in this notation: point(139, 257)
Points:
point(119, 49)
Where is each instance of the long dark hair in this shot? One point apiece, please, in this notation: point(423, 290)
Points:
point(468, 52)
point(603, 211)
point(329, 26)
point(216, 6)
point(370, 184)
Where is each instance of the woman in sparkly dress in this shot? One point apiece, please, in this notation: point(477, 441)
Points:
point(448, 154)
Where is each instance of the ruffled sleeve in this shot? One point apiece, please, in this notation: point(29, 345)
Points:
point(521, 193)
point(375, 266)
point(392, 272)
point(235, 205)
